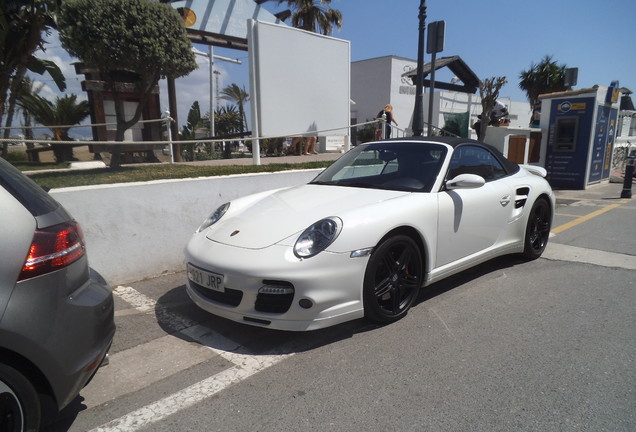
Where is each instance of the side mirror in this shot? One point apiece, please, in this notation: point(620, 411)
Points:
point(465, 181)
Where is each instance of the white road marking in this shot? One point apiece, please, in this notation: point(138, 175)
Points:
point(205, 336)
point(134, 298)
point(560, 252)
point(245, 365)
point(162, 357)
point(190, 396)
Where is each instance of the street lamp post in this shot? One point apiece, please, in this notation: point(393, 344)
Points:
point(211, 59)
point(210, 56)
point(418, 113)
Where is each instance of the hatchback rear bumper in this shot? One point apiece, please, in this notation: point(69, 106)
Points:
point(65, 335)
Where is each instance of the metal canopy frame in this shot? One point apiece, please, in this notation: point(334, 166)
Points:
point(218, 40)
point(222, 23)
point(458, 67)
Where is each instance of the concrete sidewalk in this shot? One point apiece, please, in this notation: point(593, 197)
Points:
point(603, 191)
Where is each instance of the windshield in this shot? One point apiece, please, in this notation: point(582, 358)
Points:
point(402, 166)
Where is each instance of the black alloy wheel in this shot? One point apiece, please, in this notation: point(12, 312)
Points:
point(392, 280)
point(19, 402)
point(538, 229)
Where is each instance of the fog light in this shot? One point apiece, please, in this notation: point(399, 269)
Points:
point(275, 290)
point(305, 303)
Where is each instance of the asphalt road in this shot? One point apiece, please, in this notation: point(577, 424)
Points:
point(547, 345)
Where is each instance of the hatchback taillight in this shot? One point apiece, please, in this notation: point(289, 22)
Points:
point(53, 248)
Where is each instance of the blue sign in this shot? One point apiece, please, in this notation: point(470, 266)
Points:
point(598, 145)
point(609, 145)
point(569, 141)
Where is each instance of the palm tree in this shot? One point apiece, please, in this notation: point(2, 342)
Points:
point(188, 130)
point(227, 121)
point(238, 95)
point(314, 15)
point(56, 116)
point(22, 25)
point(29, 87)
point(545, 77)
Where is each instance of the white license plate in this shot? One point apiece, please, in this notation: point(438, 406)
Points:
point(211, 280)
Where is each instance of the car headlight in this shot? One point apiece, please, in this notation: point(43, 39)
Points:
point(214, 217)
point(317, 237)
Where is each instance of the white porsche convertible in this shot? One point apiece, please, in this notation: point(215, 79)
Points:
point(363, 237)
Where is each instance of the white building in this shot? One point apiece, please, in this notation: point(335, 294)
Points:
point(627, 126)
point(378, 81)
point(626, 136)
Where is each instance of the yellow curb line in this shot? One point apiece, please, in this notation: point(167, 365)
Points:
point(567, 215)
point(585, 218)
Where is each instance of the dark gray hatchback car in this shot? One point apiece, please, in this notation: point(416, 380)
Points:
point(56, 313)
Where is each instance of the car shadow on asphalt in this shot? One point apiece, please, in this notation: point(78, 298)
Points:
point(62, 421)
point(245, 338)
point(251, 340)
point(469, 275)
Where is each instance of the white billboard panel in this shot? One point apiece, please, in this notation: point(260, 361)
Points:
point(300, 82)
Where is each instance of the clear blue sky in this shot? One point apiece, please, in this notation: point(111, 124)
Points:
point(504, 37)
point(494, 37)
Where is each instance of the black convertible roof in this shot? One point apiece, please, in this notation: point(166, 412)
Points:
point(454, 142)
point(451, 141)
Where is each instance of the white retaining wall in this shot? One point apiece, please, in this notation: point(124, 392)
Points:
point(136, 231)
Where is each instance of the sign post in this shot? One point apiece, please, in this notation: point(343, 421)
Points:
point(418, 114)
point(435, 44)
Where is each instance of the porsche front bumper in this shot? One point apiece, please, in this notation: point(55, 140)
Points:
point(272, 288)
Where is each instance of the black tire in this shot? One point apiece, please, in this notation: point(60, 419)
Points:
point(19, 402)
point(538, 229)
point(392, 280)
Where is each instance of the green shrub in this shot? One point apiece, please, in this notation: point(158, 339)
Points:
point(366, 133)
point(17, 157)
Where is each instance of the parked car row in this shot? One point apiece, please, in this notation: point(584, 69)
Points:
point(360, 240)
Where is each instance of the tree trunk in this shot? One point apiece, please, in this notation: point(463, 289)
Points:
point(13, 96)
point(28, 135)
point(485, 119)
point(115, 153)
point(174, 125)
point(123, 125)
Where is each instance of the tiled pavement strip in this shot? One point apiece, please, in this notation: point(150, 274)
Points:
point(177, 354)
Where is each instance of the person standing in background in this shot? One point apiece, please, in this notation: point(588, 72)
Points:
point(387, 115)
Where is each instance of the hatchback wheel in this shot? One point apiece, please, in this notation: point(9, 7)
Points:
point(19, 403)
point(392, 279)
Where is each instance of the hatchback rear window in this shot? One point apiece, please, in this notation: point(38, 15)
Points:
point(25, 190)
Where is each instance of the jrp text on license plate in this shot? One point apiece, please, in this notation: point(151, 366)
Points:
point(213, 281)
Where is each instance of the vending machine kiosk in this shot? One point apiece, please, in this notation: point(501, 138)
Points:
point(578, 131)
